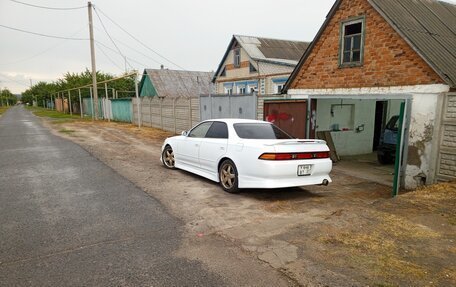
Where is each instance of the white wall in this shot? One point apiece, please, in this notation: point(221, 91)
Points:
point(349, 142)
point(422, 142)
point(394, 107)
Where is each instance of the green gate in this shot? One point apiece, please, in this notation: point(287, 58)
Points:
point(121, 110)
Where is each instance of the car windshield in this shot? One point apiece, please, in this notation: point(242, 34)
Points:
point(393, 123)
point(263, 131)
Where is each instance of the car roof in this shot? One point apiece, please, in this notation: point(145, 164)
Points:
point(236, 121)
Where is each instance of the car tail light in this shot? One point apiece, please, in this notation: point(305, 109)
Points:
point(294, 156)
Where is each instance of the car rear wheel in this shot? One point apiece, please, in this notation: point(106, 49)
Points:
point(384, 158)
point(168, 157)
point(228, 176)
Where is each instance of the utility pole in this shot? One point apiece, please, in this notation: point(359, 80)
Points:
point(94, 68)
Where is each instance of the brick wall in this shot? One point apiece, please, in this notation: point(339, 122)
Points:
point(388, 59)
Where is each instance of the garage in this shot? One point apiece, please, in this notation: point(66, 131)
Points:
point(361, 130)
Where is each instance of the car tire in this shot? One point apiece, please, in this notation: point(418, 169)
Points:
point(384, 158)
point(228, 176)
point(168, 157)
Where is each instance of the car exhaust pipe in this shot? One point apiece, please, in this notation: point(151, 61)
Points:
point(325, 182)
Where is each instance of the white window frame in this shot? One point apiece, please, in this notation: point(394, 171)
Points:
point(237, 57)
point(278, 88)
point(362, 20)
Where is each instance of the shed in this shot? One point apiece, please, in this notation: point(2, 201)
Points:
point(174, 83)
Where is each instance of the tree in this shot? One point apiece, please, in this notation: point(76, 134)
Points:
point(43, 91)
point(7, 98)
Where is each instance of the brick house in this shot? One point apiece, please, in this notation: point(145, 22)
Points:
point(368, 58)
point(254, 64)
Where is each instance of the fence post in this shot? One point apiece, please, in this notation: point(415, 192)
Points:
point(210, 101)
point(69, 103)
point(161, 112)
point(63, 104)
point(150, 112)
point(80, 103)
point(106, 105)
point(174, 115)
point(91, 102)
point(190, 111)
point(138, 101)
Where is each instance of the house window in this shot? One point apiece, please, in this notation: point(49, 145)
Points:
point(242, 90)
point(237, 57)
point(229, 91)
point(352, 42)
point(252, 68)
point(278, 88)
point(253, 89)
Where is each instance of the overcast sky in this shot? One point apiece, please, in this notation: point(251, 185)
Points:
point(193, 34)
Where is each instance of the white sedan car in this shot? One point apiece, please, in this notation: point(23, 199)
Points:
point(241, 153)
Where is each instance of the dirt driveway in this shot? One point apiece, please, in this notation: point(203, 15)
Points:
point(347, 234)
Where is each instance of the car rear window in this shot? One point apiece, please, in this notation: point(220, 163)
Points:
point(260, 131)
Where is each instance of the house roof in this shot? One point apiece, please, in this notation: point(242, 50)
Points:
point(175, 83)
point(428, 26)
point(274, 51)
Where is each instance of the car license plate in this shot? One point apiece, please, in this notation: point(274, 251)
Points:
point(304, 169)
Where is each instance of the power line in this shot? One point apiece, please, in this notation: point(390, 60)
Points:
point(109, 36)
point(113, 50)
point(136, 50)
point(49, 8)
point(139, 41)
point(42, 52)
point(109, 58)
point(43, 35)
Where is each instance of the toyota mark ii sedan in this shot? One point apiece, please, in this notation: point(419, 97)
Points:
point(241, 153)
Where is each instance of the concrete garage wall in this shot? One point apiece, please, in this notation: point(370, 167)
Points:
point(423, 138)
point(422, 141)
point(348, 142)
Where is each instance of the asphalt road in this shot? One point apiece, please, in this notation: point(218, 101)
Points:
point(66, 219)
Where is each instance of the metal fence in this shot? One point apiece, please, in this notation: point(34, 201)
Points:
point(170, 114)
point(228, 106)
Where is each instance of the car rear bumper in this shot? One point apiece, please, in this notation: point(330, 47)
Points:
point(279, 174)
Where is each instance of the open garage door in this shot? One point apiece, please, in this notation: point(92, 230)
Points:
point(367, 134)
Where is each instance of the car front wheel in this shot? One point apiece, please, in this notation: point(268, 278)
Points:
point(228, 176)
point(168, 157)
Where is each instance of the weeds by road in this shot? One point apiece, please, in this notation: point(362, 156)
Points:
point(58, 117)
point(3, 109)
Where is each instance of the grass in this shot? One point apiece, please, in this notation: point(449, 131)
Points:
point(61, 117)
point(390, 247)
point(3, 109)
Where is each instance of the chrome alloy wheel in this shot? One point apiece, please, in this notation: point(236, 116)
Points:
point(168, 157)
point(228, 176)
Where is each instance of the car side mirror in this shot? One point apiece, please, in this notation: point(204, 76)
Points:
point(184, 133)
